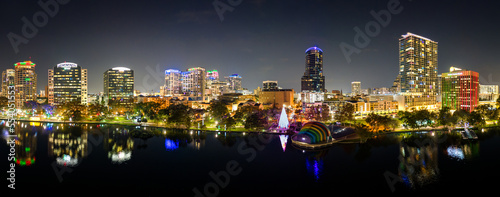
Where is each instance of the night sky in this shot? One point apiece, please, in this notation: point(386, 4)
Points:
point(259, 40)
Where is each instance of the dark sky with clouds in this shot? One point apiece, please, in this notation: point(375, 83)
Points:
point(260, 39)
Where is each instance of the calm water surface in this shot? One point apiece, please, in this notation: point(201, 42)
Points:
point(90, 159)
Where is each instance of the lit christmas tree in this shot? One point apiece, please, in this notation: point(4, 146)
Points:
point(283, 124)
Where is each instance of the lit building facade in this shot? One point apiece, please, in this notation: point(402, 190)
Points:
point(460, 89)
point(212, 75)
point(418, 66)
point(173, 84)
point(488, 92)
point(269, 85)
point(356, 88)
point(25, 80)
point(234, 82)
point(311, 97)
point(277, 98)
point(8, 77)
point(313, 79)
point(67, 83)
point(119, 85)
point(193, 82)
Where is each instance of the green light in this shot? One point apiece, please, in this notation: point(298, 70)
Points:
point(23, 163)
point(27, 79)
point(27, 149)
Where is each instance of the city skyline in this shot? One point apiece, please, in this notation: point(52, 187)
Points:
point(229, 46)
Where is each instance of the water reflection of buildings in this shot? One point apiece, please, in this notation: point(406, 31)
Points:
point(418, 164)
point(314, 163)
point(119, 145)
point(175, 139)
point(198, 139)
point(68, 145)
point(463, 151)
point(25, 146)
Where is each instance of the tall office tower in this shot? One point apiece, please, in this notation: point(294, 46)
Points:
point(460, 89)
point(418, 65)
point(313, 79)
point(119, 86)
point(193, 82)
point(85, 86)
point(269, 85)
point(356, 88)
point(212, 81)
point(25, 81)
point(7, 80)
point(173, 84)
point(67, 83)
point(439, 97)
point(234, 82)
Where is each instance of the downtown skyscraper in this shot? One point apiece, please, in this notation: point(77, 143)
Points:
point(355, 88)
point(313, 79)
point(67, 83)
point(119, 86)
point(234, 82)
point(460, 89)
point(7, 80)
point(193, 82)
point(173, 85)
point(25, 82)
point(418, 71)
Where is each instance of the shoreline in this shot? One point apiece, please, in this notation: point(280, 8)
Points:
point(155, 125)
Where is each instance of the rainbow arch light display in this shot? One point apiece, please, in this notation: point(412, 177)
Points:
point(316, 131)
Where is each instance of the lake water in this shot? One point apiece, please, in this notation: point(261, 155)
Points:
point(91, 159)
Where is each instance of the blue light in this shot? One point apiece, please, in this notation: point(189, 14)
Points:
point(314, 48)
point(172, 71)
point(171, 145)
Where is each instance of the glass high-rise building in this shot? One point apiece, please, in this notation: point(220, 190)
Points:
point(7, 80)
point(418, 66)
point(234, 82)
point(119, 85)
point(313, 79)
point(173, 84)
point(193, 82)
point(67, 83)
point(356, 88)
point(460, 89)
point(25, 81)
